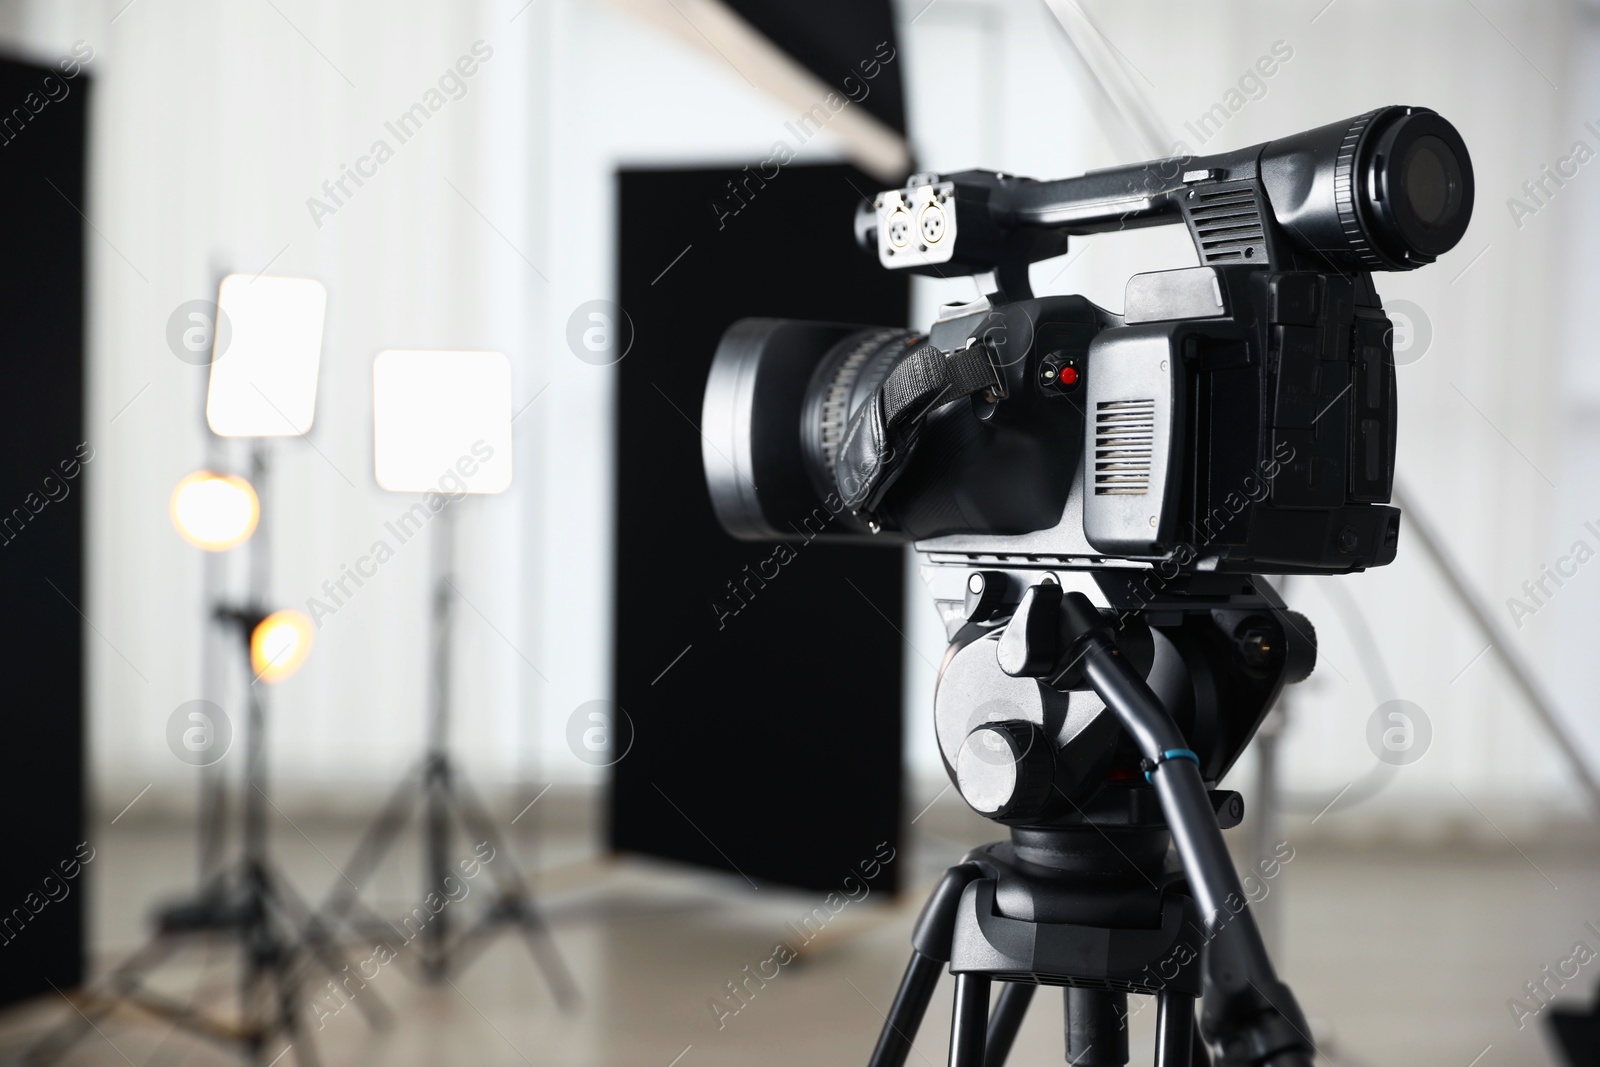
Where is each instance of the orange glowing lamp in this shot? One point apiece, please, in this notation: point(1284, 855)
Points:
point(214, 511)
point(279, 644)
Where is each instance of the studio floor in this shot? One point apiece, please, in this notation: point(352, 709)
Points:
point(1400, 956)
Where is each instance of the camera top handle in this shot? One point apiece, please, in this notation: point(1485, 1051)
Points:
point(1388, 190)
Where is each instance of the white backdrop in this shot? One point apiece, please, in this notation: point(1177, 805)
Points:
point(214, 123)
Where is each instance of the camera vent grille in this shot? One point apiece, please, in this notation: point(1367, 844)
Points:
point(1227, 224)
point(1124, 433)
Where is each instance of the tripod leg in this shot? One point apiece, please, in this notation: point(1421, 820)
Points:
point(1097, 1028)
point(475, 818)
point(436, 866)
point(969, 1023)
point(301, 926)
point(305, 1051)
point(930, 951)
point(1174, 1030)
point(58, 1041)
point(910, 1005)
point(1006, 1021)
point(543, 948)
point(252, 1016)
point(371, 849)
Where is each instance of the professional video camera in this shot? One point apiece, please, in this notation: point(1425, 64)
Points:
point(1096, 496)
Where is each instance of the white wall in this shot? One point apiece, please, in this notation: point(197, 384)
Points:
point(213, 123)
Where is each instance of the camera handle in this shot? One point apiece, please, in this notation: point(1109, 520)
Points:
point(883, 433)
point(1250, 1016)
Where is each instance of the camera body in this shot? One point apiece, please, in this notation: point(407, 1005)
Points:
point(1238, 416)
point(1231, 418)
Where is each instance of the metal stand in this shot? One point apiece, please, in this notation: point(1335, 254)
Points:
point(1095, 909)
point(251, 902)
point(1097, 900)
point(445, 797)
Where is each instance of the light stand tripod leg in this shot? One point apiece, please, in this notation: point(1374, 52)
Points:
point(1006, 1020)
point(1097, 1027)
point(516, 898)
point(305, 1052)
point(306, 928)
point(371, 849)
point(436, 863)
point(59, 1039)
point(252, 974)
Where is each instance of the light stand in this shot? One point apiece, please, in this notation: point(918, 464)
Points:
point(248, 901)
point(270, 330)
point(212, 826)
point(445, 798)
point(433, 412)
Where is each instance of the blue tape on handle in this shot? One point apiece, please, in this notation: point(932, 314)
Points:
point(1174, 753)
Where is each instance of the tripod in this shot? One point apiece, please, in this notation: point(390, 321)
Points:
point(249, 901)
point(276, 931)
point(1109, 916)
point(446, 798)
point(1086, 894)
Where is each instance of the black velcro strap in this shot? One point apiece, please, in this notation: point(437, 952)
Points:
point(882, 434)
point(929, 377)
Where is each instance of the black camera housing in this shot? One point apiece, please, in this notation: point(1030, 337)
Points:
point(1238, 416)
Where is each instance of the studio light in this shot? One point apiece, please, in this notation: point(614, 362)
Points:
point(214, 511)
point(442, 428)
point(264, 383)
point(279, 645)
point(442, 415)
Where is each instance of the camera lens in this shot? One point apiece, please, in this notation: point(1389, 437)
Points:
point(1432, 180)
point(1412, 187)
point(1388, 190)
point(777, 401)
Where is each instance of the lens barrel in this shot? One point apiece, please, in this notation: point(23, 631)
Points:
point(1388, 190)
point(777, 402)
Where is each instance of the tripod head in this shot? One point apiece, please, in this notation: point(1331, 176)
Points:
point(1097, 734)
point(1027, 741)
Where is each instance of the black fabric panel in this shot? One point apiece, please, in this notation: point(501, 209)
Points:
point(772, 747)
point(41, 528)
